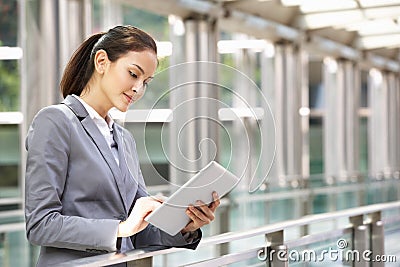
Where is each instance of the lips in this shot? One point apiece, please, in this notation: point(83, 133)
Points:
point(129, 98)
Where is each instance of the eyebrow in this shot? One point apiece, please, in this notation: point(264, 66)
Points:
point(141, 70)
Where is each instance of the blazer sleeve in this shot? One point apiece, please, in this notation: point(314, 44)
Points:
point(151, 235)
point(48, 145)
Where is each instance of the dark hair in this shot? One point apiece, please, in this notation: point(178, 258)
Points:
point(116, 42)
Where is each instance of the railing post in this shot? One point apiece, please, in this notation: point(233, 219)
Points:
point(377, 238)
point(223, 218)
point(360, 242)
point(277, 251)
point(145, 262)
point(306, 205)
point(221, 225)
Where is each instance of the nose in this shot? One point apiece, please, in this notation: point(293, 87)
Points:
point(137, 88)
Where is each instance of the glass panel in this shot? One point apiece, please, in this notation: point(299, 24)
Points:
point(346, 200)
point(9, 85)
point(8, 23)
point(226, 78)
point(16, 251)
point(364, 145)
point(14, 248)
point(152, 152)
point(392, 249)
point(183, 258)
point(316, 147)
point(382, 191)
point(316, 102)
point(9, 160)
point(97, 16)
point(154, 24)
point(316, 93)
point(325, 253)
point(321, 203)
point(364, 89)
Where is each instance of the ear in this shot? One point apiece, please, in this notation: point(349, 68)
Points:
point(100, 61)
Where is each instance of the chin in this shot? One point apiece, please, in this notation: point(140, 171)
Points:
point(124, 109)
point(122, 106)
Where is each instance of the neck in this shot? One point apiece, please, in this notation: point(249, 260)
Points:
point(96, 101)
point(94, 97)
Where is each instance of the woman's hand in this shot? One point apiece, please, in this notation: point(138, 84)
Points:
point(201, 214)
point(135, 222)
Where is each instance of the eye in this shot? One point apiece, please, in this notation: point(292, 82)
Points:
point(132, 74)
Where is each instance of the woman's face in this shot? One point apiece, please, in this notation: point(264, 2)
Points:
point(125, 80)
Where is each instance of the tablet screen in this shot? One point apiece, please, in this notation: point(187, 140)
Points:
point(171, 216)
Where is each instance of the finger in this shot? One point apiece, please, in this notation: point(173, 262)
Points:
point(189, 227)
point(148, 209)
point(193, 224)
point(143, 207)
point(206, 210)
point(155, 198)
point(216, 202)
point(191, 215)
point(149, 205)
point(199, 214)
point(160, 198)
point(156, 204)
point(149, 202)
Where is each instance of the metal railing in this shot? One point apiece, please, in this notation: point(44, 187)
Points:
point(303, 200)
point(366, 228)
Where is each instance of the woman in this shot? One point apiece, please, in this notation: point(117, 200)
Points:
point(81, 197)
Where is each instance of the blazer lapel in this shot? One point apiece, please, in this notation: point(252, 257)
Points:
point(98, 139)
point(131, 182)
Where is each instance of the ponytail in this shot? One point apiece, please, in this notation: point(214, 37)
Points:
point(116, 42)
point(79, 68)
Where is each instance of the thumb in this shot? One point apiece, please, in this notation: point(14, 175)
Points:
point(160, 198)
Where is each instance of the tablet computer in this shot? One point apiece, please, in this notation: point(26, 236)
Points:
point(171, 216)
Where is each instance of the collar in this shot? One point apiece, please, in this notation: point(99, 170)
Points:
point(93, 113)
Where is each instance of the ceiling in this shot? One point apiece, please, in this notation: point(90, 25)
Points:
point(355, 27)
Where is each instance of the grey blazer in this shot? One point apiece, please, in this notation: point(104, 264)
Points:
point(75, 192)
